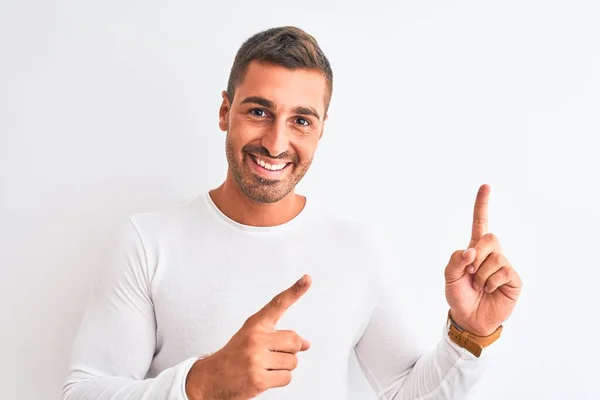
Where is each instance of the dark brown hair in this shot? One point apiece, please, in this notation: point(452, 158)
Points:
point(287, 46)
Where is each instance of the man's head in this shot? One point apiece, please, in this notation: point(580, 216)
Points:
point(274, 111)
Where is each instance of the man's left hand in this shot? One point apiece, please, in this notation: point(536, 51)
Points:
point(482, 288)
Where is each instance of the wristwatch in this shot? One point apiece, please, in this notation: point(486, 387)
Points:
point(472, 343)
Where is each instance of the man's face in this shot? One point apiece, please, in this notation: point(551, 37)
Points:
point(273, 128)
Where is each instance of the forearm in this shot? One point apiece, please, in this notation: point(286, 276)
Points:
point(83, 383)
point(398, 365)
point(447, 372)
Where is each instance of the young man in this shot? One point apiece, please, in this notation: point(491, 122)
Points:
point(185, 306)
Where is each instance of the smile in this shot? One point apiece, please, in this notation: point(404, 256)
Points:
point(268, 166)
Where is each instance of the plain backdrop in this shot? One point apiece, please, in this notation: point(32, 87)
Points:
point(109, 108)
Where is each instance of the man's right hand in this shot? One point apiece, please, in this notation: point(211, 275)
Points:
point(257, 358)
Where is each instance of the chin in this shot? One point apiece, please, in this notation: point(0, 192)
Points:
point(265, 193)
point(265, 198)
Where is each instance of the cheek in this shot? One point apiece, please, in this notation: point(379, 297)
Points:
point(305, 149)
point(244, 131)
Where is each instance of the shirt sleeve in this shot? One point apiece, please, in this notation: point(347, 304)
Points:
point(396, 362)
point(116, 340)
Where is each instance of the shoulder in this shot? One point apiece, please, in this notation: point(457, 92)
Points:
point(141, 238)
point(148, 234)
point(168, 220)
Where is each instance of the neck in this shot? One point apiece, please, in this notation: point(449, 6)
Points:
point(234, 203)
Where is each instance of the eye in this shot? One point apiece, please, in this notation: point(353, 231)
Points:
point(303, 121)
point(258, 112)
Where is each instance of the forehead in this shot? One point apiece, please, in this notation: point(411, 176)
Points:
point(287, 88)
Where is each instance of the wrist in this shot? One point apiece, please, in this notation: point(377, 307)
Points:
point(463, 324)
point(196, 381)
point(474, 343)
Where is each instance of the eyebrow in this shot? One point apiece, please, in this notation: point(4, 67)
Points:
point(307, 111)
point(260, 101)
point(302, 110)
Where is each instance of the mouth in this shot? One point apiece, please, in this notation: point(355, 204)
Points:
point(268, 169)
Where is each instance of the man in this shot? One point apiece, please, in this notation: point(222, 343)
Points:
point(185, 306)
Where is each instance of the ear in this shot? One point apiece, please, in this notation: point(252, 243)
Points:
point(224, 112)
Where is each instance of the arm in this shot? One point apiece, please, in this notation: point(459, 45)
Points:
point(397, 364)
point(395, 360)
point(482, 290)
point(116, 341)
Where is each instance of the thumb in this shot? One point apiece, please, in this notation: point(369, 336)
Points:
point(458, 263)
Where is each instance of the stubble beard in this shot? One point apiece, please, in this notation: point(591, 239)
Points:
point(259, 189)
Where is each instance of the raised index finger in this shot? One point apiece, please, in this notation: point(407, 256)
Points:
point(480, 215)
point(274, 310)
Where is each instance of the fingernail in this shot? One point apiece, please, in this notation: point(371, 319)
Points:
point(464, 255)
point(487, 288)
point(470, 269)
point(302, 281)
point(475, 286)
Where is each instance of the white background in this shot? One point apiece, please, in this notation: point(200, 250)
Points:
point(109, 108)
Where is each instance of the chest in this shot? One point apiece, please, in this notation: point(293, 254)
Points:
point(203, 294)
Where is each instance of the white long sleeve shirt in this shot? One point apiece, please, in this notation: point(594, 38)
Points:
point(181, 281)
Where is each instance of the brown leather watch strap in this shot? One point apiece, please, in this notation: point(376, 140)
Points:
point(472, 343)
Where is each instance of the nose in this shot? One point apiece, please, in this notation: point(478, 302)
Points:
point(275, 138)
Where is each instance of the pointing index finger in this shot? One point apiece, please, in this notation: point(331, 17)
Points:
point(274, 310)
point(480, 215)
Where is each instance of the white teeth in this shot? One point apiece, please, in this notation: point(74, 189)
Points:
point(268, 166)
